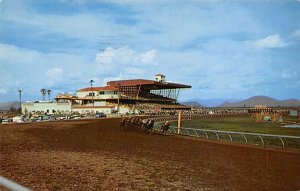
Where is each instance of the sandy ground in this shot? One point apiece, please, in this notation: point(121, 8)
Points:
point(96, 155)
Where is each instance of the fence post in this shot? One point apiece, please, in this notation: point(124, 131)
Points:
point(179, 122)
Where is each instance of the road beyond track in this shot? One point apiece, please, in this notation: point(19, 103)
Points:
point(96, 155)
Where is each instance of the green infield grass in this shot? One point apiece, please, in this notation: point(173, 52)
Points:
point(247, 125)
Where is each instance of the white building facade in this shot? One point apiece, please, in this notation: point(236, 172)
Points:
point(87, 100)
point(46, 107)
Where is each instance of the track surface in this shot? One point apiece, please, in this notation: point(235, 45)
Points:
point(96, 155)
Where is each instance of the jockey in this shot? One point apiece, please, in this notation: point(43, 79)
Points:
point(167, 123)
point(145, 121)
point(122, 123)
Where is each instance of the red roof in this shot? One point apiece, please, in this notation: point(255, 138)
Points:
point(105, 88)
point(130, 82)
point(138, 82)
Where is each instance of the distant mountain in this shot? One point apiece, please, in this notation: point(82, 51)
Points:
point(8, 105)
point(262, 100)
point(211, 102)
point(192, 103)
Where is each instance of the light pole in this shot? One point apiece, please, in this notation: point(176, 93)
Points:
point(20, 95)
point(91, 82)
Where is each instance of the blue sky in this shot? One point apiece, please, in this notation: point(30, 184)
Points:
point(224, 49)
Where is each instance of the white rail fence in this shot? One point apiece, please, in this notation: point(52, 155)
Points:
point(204, 133)
point(11, 185)
point(233, 136)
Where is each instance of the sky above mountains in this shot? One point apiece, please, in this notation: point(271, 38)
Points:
point(224, 49)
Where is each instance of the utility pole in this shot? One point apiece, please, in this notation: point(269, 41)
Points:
point(91, 82)
point(20, 95)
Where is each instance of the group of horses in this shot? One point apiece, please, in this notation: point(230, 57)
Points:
point(146, 125)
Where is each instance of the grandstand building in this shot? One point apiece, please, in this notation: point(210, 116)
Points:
point(123, 96)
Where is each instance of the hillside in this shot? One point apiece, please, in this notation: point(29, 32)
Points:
point(193, 104)
point(263, 100)
point(213, 102)
point(8, 105)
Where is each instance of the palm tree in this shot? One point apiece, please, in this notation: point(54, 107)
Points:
point(49, 93)
point(43, 92)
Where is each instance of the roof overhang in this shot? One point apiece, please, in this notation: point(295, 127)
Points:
point(105, 88)
point(147, 84)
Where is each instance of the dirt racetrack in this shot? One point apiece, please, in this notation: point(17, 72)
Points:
point(96, 155)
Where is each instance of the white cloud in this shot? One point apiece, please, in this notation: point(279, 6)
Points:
point(193, 44)
point(81, 26)
point(54, 73)
point(235, 71)
point(73, 2)
point(112, 61)
point(2, 90)
point(106, 56)
point(112, 78)
point(134, 71)
point(54, 76)
point(194, 20)
point(272, 41)
point(296, 33)
point(175, 26)
point(286, 74)
point(128, 2)
point(32, 70)
point(148, 56)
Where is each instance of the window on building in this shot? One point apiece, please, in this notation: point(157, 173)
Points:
point(101, 93)
point(92, 94)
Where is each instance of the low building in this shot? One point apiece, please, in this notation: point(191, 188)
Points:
point(46, 107)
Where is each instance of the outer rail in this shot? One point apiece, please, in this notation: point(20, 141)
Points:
point(12, 185)
point(197, 132)
point(230, 133)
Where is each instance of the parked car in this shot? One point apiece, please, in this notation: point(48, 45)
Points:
point(100, 115)
point(18, 119)
point(61, 118)
point(75, 117)
point(6, 121)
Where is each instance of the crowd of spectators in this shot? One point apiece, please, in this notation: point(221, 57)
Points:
point(173, 109)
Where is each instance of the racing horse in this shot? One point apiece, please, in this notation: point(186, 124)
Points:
point(148, 126)
point(165, 127)
point(123, 124)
